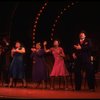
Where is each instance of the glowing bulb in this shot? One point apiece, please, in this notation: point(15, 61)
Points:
point(37, 18)
point(42, 7)
point(55, 20)
point(45, 4)
point(52, 29)
point(68, 6)
point(40, 11)
point(58, 17)
point(33, 33)
point(54, 25)
point(33, 38)
point(33, 43)
point(34, 30)
point(72, 3)
point(34, 26)
point(65, 9)
point(35, 22)
point(51, 39)
point(61, 13)
point(39, 14)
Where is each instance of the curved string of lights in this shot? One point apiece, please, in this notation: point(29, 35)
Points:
point(36, 20)
point(58, 17)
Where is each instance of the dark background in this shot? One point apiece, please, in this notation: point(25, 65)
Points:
point(17, 20)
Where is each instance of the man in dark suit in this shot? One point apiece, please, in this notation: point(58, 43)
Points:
point(82, 56)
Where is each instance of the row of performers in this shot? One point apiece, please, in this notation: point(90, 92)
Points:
point(81, 55)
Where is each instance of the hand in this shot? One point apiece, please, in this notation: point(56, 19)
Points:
point(92, 58)
point(33, 49)
point(61, 54)
point(16, 50)
point(13, 50)
point(45, 43)
point(78, 47)
point(74, 56)
point(75, 46)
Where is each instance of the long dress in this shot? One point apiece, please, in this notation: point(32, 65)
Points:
point(59, 68)
point(39, 71)
point(17, 70)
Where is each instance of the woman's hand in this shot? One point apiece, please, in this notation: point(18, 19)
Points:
point(33, 49)
point(13, 50)
point(20, 51)
point(45, 43)
point(16, 50)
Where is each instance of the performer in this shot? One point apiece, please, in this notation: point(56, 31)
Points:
point(59, 69)
point(39, 71)
point(82, 56)
point(1, 63)
point(6, 43)
point(17, 70)
point(7, 58)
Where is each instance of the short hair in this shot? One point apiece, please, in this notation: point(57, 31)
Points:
point(21, 45)
point(83, 31)
point(38, 43)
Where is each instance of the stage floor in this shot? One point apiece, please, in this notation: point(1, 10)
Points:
point(31, 93)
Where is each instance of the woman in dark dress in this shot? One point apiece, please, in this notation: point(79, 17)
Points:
point(17, 66)
point(39, 72)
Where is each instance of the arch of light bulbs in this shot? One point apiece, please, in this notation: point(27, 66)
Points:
point(36, 20)
point(58, 17)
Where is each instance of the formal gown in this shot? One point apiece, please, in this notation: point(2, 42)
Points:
point(39, 71)
point(59, 68)
point(17, 69)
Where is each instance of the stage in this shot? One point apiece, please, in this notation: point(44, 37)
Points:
point(31, 93)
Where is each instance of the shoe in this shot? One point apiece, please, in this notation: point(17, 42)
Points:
point(25, 86)
point(92, 90)
point(66, 89)
point(10, 85)
point(77, 89)
point(52, 88)
point(37, 85)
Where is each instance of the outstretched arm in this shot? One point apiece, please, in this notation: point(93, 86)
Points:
point(45, 48)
